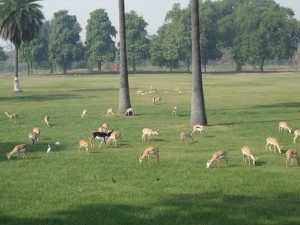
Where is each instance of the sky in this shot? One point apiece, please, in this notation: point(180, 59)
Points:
point(153, 11)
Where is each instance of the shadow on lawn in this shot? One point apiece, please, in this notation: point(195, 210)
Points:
point(180, 209)
point(46, 97)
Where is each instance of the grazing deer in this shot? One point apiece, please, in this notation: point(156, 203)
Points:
point(22, 148)
point(199, 128)
point(175, 110)
point(103, 128)
point(109, 112)
point(47, 120)
point(113, 137)
point(13, 117)
point(148, 132)
point(37, 131)
point(85, 144)
point(296, 134)
point(217, 156)
point(156, 100)
point(271, 141)
point(283, 126)
point(152, 150)
point(33, 137)
point(247, 153)
point(129, 112)
point(84, 113)
point(185, 136)
point(291, 155)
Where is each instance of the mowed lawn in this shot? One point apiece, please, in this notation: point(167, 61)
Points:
point(71, 187)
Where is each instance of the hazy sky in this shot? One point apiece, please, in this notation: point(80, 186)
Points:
point(153, 11)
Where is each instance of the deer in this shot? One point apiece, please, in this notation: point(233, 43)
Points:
point(129, 111)
point(296, 134)
point(84, 113)
point(85, 144)
point(148, 132)
point(37, 131)
point(247, 153)
point(185, 136)
point(113, 137)
point(47, 120)
point(217, 156)
point(175, 110)
point(291, 155)
point(152, 150)
point(101, 136)
point(156, 100)
point(33, 137)
point(109, 112)
point(271, 141)
point(103, 128)
point(22, 148)
point(283, 126)
point(198, 127)
point(14, 117)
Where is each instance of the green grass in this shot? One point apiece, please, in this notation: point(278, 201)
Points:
point(68, 187)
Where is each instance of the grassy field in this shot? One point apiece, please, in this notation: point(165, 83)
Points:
point(70, 187)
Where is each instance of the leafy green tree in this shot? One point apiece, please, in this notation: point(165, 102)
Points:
point(3, 55)
point(137, 43)
point(99, 34)
point(124, 96)
point(64, 43)
point(20, 21)
point(198, 113)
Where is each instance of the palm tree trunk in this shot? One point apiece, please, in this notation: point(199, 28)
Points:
point(198, 114)
point(124, 97)
point(17, 87)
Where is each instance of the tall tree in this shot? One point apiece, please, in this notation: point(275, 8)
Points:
point(64, 42)
point(198, 114)
point(20, 21)
point(137, 43)
point(99, 34)
point(124, 96)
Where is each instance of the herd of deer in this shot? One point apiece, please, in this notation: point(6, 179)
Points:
point(107, 136)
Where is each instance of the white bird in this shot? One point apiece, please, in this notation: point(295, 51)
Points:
point(49, 149)
point(58, 143)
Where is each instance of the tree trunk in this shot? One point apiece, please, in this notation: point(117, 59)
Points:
point(133, 67)
point(28, 68)
point(65, 68)
point(198, 114)
point(31, 67)
point(124, 97)
point(261, 65)
point(51, 68)
point(99, 67)
point(17, 87)
point(238, 65)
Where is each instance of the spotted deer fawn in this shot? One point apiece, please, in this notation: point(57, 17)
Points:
point(113, 137)
point(185, 136)
point(148, 132)
point(14, 117)
point(283, 126)
point(109, 112)
point(217, 156)
point(271, 141)
point(22, 148)
point(129, 112)
point(156, 100)
point(152, 150)
point(247, 153)
point(84, 113)
point(291, 155)
point(85, 144)
point(47, 120)
point(296, 134)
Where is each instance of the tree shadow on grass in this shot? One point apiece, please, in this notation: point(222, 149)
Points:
point(46, 97)
point(179, 209)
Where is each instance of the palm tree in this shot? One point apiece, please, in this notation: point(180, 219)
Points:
point(198, 115)
point(124, 97)
point(20, 21)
